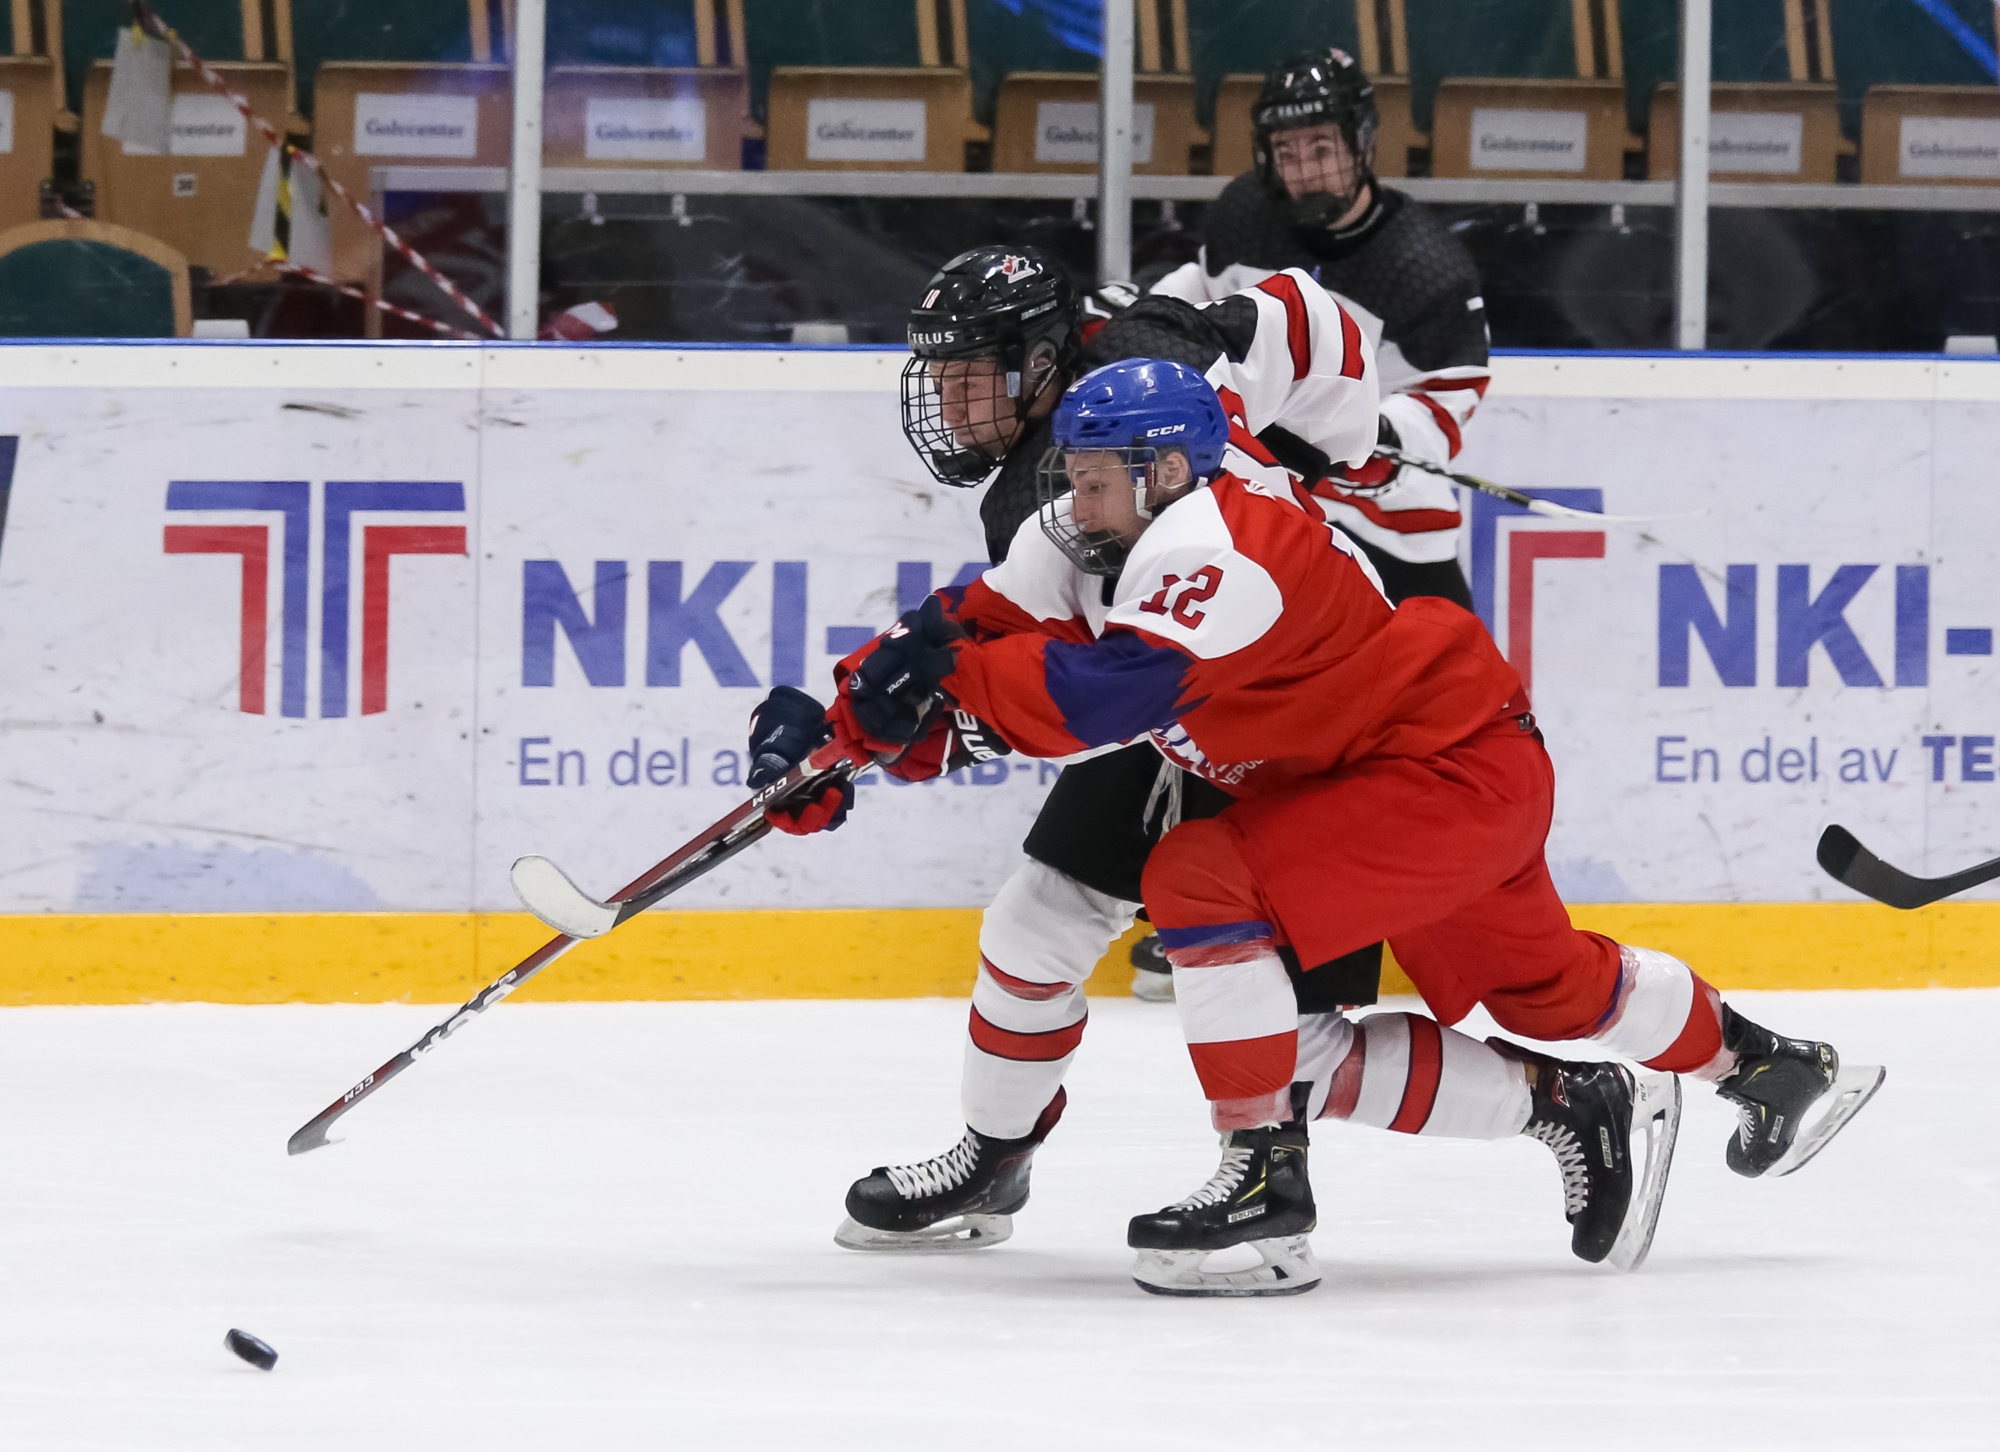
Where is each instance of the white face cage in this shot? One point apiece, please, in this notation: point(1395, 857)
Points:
point(1094, 551)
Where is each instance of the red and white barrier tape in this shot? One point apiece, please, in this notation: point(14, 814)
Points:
point(151, 19)
point(374, 302)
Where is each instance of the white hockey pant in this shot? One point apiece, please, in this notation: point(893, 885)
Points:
point(1038, 942)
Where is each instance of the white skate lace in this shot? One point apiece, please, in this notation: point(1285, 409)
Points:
point(1562, 1141)
point(1228, 1175)
point(938, 1174)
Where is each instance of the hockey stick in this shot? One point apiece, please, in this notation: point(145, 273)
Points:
point(1844, 858)
point(1547, 508)
point(547, 891)
point(720, 842)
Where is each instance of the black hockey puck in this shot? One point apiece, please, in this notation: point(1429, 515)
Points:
point(250, 1349)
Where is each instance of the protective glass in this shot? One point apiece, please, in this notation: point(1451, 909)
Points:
point(1093, 530)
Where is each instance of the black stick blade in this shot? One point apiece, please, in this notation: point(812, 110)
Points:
point(1847, 860)
point(1838, 848)
point(1844, 858)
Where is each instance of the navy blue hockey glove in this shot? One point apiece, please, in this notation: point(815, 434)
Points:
point(891, 691)
point(784, 730)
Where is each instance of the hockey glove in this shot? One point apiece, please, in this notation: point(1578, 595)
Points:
point(956, 739)
point(886, 698)
point(784, 730)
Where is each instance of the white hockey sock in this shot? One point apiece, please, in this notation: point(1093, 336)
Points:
point(1038, 942)
point(1659, 999)
point(1408, 1073)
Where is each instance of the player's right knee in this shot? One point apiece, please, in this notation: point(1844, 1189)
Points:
point(1197, 877)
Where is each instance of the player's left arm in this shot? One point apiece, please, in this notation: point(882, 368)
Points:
point(1438, 375)
point(1297, 357)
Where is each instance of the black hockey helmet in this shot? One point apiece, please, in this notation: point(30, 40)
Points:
point(1318, 88)
point(1014, 305)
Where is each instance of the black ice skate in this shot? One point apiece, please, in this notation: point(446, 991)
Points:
point(964, 1199)
point(1259, 1197)
point(1152, 974)
point(1591, 1116)
point(1776, 1084)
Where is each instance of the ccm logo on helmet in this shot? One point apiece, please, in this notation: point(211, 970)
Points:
point(1179, 428)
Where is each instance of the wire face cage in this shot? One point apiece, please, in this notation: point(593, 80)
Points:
point(961, 415)
point(1102, 545)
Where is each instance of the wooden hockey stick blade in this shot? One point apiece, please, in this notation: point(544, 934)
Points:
point(1847, 861)
point(546, 891)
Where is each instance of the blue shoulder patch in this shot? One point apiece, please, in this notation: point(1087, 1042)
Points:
point(1115, 688)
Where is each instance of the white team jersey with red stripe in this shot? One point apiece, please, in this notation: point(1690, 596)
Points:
point(1412, 515)
point(1308, 363)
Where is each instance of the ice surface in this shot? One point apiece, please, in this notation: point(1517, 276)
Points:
point(600, 1226)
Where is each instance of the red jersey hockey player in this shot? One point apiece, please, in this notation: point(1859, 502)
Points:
point(1196, 595)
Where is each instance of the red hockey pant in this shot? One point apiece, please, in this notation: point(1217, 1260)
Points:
point(1442, 858)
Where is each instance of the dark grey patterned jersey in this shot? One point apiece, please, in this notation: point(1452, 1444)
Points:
point(1419, 292)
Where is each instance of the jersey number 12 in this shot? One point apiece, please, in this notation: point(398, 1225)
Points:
point(1188, 593)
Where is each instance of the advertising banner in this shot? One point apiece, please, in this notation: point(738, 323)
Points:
point(325, 629)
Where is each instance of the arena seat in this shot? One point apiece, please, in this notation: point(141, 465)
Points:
point(201, 196)
point(1775, 106)
point(427, 94)
point(1931, 135)
point(1048, 120)
point(869, 85)
point(87, 279)
point(31, 107)
point(1245, 48)
point(647, 116)
point(1925, 108)
point(1515, 101)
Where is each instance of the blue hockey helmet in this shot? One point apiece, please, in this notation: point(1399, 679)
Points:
point(1145, 403)
point(1136, 409)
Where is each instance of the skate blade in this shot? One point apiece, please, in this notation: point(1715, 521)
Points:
point(1288, 1270)
point(1852, 1088)
point(1656, 1113)
point(947, 1237)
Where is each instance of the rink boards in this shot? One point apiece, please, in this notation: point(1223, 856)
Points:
point(301, 646)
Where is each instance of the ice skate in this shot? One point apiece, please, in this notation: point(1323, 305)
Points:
point(1776, 1085)
point(1152, 974)
point(1592, 1117)
point(1259, 1196)
point(963, 1199)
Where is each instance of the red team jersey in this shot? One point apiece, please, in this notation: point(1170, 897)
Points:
point(1246, 636)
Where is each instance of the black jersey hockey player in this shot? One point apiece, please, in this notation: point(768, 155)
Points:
point(1313, 203)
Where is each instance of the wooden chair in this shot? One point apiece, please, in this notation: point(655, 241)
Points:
point(1383, 31)
point(31, 109)
point(652, 116)
point(1764, 131)
point(372, 113)
point(880, 118)
point(84, 279)
point(1930, 136)
point(1566, 128)
point(201, 197)
point(1048, 120)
